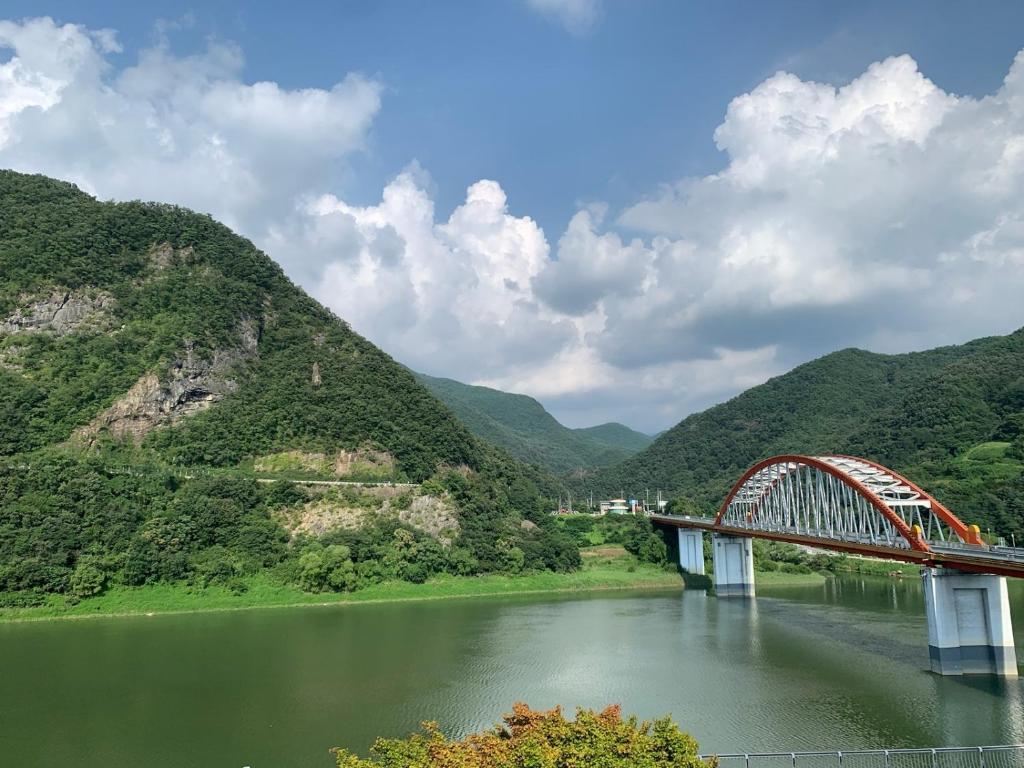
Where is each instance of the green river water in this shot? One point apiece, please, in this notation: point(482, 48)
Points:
point(836, 666)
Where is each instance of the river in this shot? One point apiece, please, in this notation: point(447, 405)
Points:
point(834, 666)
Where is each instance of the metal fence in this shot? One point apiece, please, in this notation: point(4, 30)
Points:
point(1008, 756)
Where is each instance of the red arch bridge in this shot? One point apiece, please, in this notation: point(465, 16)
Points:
point(852, 505)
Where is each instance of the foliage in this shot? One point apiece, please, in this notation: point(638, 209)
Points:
point(634, 532)
point(521, 426)
point(542, 739)
point(88, 578)
point(268, 588)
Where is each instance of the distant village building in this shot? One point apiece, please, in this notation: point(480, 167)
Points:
point(631, 506)
point(615, 507)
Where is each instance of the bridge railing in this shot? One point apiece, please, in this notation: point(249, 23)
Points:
point(1006, 756)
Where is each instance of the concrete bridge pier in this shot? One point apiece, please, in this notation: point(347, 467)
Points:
point(969, 630)
point(691, 550)
point(734, 565)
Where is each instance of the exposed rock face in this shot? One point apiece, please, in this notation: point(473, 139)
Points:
point(164, 255)
point(432, 515)
point(191, 384)
point(363, 461)
point(60, 312)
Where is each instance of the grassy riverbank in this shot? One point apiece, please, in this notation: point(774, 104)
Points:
point(604, 568)
point(601, 571)
point(872, 567)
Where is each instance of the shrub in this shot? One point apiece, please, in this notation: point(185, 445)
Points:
point(544, 740)
point(88, 578)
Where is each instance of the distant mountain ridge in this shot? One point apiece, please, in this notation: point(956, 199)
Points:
point(617, 435)
point(951, 417)
point(523, 427)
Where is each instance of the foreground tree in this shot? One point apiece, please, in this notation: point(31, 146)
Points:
point(542, 739)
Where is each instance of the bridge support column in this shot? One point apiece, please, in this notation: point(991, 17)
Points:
point(734, 565)
point(969, 630)
point(691, 550)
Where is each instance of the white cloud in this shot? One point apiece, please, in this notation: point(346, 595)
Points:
point(577, 16)
point(181, 129)
point(450, 297)
point(885, 213)
point(884, 209)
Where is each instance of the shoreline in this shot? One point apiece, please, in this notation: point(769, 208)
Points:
point(176, 600)
point(342, 603)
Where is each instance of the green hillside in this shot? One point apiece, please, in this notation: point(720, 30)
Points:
point(521, 426)
point(617, 435)
point(142, 345)
point(935, 415)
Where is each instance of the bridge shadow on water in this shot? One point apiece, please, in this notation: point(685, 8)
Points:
point(881, 617)
point(839, 626)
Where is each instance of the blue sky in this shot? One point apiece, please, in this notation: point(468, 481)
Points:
point(601, 128)
point(496, 90)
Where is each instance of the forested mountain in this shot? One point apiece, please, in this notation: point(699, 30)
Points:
point(521, 426)
point(952, 418)
point(618, 435)
point(142, 344)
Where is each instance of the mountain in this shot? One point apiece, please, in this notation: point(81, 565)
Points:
point(142, 345)
point(952, 417)
point(521, 426)
point(617, 435)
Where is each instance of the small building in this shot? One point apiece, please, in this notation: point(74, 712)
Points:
point(615, 507)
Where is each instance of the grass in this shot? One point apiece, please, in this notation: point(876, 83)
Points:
point(601, 572)
point(607, 567)
point(851, 564)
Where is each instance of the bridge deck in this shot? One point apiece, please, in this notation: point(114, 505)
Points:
point(1003, 561)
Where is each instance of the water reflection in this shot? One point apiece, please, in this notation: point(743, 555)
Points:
point(842, 665)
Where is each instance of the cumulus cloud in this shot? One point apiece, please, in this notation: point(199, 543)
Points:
point(884, 213)
point(185, 129)
point(451, 296)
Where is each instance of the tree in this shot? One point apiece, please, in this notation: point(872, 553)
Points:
point(88, 578)
point(542, 739)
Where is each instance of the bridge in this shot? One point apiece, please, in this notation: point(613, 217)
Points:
point(852, 505)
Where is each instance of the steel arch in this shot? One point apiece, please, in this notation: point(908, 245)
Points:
point(840, 497)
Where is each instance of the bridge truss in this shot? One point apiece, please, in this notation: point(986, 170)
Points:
point(850, 504)
point(841, 498)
